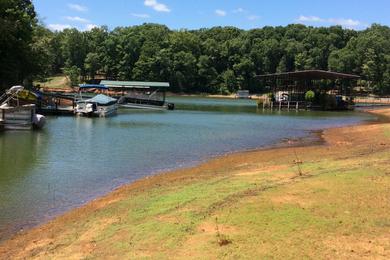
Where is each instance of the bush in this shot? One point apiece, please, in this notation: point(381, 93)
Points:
point(73, 73)
point(309, 96)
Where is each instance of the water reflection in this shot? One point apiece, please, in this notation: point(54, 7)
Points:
point(19, 153)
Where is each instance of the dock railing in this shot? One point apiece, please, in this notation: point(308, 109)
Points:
point(283, 105)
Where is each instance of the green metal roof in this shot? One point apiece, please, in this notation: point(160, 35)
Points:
point(134, 84)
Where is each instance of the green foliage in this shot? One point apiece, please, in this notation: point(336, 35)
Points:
point(73, 74)
point(367, 55)
point(215, 60)
point(309, 96)
point(17, 23)
point(92, 64)
point(229, 82)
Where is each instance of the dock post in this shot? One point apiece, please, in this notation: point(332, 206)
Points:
point(288, 105)
point(280, 105)
point(297, 106)
point(272, 105)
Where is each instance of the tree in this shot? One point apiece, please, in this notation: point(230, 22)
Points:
point(41, 58)
point(229, 82)
point(73, 74)
point(207, 75)
point(92, 64)
point(218, 59)
point(17, 22)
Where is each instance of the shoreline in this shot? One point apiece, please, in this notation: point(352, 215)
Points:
point(312, 137)
point(185, 176)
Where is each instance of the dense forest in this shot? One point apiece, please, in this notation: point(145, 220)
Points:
point(214, 60)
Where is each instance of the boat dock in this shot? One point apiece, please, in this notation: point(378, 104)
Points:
point(57, 104)
point(284, 105)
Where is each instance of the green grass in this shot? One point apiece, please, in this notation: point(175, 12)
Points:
point(386, 131)
point(54, 82)
point(327, 204)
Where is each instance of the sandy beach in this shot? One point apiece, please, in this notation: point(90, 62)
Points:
point(328, 200)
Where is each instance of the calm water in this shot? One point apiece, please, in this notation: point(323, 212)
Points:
point(73, 160)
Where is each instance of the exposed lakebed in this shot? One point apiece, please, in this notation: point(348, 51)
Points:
point(73, 160)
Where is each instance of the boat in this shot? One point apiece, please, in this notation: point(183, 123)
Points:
point(98, 106)
point(14, 115)
point(243, 94)
point(140, 95)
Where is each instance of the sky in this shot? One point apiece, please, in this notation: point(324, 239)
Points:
point(195, 14)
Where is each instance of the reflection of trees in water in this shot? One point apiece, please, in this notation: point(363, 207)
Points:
point(19, 152)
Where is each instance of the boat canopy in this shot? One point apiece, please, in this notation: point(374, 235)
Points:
point(134, 84)
point(14, 89)
point(97, 86)
point(101, 99)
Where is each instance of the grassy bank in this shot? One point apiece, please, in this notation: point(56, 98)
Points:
point(56, 82)
point(321, 201)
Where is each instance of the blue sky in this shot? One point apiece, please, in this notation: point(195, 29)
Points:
point(178, 14)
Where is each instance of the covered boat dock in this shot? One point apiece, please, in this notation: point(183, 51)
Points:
point(313, 89)
point(138, 94)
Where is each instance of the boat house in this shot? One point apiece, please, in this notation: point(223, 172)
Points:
point(312, 89)
point(138, 94)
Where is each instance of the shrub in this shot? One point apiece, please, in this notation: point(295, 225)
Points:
point(309, 96)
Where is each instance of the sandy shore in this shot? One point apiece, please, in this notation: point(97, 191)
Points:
point(327, 200)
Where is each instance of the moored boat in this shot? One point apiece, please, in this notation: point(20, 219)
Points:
point(14, 116)
point(99, 106)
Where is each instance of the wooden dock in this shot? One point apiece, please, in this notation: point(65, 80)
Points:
point(62, 104)
point(57, 111)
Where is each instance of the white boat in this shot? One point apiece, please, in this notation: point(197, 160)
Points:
point(15, 116)
point(243, 94)
point(100, 105)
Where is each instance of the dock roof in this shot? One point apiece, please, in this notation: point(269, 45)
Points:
point(309, 75)
point(134, 84)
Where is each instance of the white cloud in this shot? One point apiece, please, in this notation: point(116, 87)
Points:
point(79, 8)
point(145, 16)
point(90, 26)
point(58, 27)
point(239, 10)
point(159, 7)
point(76, 19)
point(348, 23)
point(220, 12)
point(61, 27)
point(253, 17)
point(304, 19)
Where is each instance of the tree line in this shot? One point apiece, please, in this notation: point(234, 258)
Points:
point(209, 60)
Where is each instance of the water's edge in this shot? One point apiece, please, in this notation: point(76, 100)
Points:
point(312, 137)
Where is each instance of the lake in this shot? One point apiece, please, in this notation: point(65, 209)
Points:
point(75, 159)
